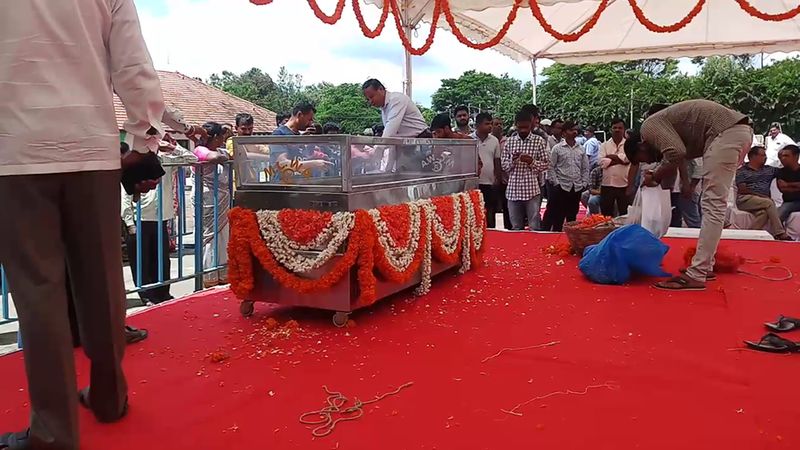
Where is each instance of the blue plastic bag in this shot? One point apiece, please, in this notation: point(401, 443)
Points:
point(625, 252)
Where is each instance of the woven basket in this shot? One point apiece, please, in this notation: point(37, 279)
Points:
point(580, 238)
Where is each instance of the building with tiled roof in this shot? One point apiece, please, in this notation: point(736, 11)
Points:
point(200, 103)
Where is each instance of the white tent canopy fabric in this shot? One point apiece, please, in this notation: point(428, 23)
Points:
point(721, 27)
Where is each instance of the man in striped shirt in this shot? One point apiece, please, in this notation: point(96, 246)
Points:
point(524, 157)
point(677, 134)
point(569, 177)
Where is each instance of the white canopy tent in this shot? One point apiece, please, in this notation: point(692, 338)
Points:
point(721, 27)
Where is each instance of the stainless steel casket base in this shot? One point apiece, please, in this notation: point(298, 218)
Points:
point(339, 298)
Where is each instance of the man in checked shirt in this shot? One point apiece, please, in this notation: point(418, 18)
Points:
point(677, 134)
point(524, 157)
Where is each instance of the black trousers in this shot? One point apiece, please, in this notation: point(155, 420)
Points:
point(547, 219)
point(503, 202)
point(149, 239)
point(490, 200)
point(611, 197)
point(565, 206)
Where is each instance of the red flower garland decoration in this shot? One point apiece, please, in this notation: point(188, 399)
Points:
point(750, 9)
point(444, 209)
point(476, 255)
point(637, 11)
point(570, 37)
point(303, 226)
point(365, 30)
point(443, 6)
point(246, 245)
point(399, 225)
point(333, 18)
point(512, 16)
point(437, 9)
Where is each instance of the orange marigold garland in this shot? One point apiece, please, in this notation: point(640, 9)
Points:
point(750, 9)
point(398, 221)
point(460, 217)
point(569, 37)
point(656, 28)
point(437, 9)
point(447, 225)
point(333, 18)
point(365, 30)
point(303, 226)
point(512, 15)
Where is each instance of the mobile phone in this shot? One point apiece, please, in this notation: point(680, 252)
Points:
point(149, 168)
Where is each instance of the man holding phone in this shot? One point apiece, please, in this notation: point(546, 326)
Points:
point(61, 185)
point(524, 158)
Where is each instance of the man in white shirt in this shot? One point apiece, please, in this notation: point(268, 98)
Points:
point(491, 172)
point(60, 182)
point(775, 141)
point(399, 114)
point(613, 195)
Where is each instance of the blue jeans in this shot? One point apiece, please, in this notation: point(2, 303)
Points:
point(519, 209)
point(787, 208)
point(685, 210)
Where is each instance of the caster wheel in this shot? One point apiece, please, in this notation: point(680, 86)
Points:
point(247, 308)
point(340, 319)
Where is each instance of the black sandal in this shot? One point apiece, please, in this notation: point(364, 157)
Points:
point(783, 324)
point(16, 441)
point(134, 335)
point(774, 344)
point(681, 283)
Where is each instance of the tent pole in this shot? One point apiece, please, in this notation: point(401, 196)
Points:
point(408, 27)
point(533, 70)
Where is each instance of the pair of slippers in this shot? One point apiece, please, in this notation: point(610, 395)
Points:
point(773, 343)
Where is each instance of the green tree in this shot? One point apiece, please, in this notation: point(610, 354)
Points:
point(345, 105)
point(481, 92)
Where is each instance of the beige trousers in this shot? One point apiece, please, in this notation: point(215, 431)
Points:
point(764, 210)
point(72, 217)
point(719, 164)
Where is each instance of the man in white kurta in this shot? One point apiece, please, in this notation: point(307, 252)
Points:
point(60, 63)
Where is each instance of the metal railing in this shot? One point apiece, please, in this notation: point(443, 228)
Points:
point(207, 185)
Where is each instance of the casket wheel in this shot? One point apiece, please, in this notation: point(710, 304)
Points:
point(340, 319)
point(247, 308)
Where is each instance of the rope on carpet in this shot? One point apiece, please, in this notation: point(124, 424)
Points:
point(786, 277)
point(549, 344)
point(336, 402)
point(513, 411)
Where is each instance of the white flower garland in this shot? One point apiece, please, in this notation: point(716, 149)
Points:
point(478, 229)
point(427, 261)
point(451, 238)
point(399, 257)
point(295, 256)
point(466, 246)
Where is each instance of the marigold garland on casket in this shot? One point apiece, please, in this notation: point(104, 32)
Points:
point(396, 241)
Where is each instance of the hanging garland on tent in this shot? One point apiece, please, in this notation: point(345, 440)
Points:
point(365, 30)
point(512, 16)
point(443, 7)
point(437, 10)
point(656, 28)
point(750, 9)
point(570, 37)
point(333, 18)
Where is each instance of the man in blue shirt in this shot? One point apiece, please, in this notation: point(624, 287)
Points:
point(592, 147)
point(753, 181)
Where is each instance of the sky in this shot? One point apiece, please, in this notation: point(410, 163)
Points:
point(202, 37)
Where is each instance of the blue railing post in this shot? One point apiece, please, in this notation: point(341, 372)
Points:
point(4, 295)
point(160, 222)
point(216, 216)
point(198, 227)
point(138, 280)
point(181, 217)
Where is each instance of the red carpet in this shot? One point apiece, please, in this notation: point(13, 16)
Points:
point(669, 366)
